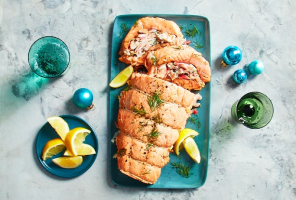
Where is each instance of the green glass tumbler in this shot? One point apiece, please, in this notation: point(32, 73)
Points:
point(49, 57)
point(254, 110)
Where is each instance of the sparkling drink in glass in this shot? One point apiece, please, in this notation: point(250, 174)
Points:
point(254, 110)
point(49, 57)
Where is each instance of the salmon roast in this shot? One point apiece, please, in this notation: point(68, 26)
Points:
point(148, 34)
point(181, 65)
point(155, 106)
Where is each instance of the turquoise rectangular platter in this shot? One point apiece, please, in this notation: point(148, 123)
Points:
point(169, 177)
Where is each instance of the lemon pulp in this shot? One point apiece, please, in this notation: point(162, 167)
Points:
point(185, 133)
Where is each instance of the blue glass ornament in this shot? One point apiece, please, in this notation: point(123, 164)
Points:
point(256, 67)
point(231, 56)
point(240, 76)
point(83, 98)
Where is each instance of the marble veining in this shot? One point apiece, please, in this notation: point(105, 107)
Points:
point(243, 163)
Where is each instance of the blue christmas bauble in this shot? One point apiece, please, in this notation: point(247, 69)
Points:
point(240, 76)
point(231, 56)
point(83, 98)
point(256, 67)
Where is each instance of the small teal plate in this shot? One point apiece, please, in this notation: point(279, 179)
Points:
point(47, 133)
point(201, 122)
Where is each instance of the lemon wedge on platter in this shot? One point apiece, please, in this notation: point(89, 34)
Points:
point(121, 78)
point(185, 133)
point(192, 149)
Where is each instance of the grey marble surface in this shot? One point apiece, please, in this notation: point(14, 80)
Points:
point(243, 163)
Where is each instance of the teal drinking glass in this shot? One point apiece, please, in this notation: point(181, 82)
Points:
point(49, 57)
point(254, 110)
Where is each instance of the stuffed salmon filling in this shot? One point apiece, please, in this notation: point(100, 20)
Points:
point(145, 40)
point(177, 70)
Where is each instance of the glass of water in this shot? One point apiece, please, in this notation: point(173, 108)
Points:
point(254, 110)
point(49, 57)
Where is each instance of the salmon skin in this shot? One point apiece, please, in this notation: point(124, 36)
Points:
point(145, 152)
point(148, 34)
point(138, 170)
point(139, 127)
point(181, 65)
point(168, 91)
point(169, 114)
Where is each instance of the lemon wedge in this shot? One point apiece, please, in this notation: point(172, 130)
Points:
point(121, 78)
point(52, 147)
point(185, 133)
point(59, 125)
point(68, 162)
point(82, 150)
point(75, 138)
point(192, 149)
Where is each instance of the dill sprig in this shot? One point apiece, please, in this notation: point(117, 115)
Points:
point(197, 44)
point(192, 31)
point(153, 135)
point(194, 120)
point(182, 27)
point(154, 101)
point(127, 88)
point(153, 60)
point(142, 125)
point(182, 168)
point(148, 171)
point(124, 29)
point(121, 152)
point(178, 47)
point(149, 145)
point(157, 118)
point(136, 23)
point(114, 95)
point(139, 111)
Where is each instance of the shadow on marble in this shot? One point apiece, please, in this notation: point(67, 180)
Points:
point(223, 129)
point(217, 63)
point(29, 85)
point(24, 85)
point(72, 109)
point(107, 90)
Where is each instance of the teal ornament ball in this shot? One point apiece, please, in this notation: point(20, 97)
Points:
point(231, 55)
point(83, 98)
point(240, 76)
point(256, 67)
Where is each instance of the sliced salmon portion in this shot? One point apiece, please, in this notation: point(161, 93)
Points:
point(148, 34)
point(168, 91)
point(170, 114)
point(138, 170)
point(145, 152)
point(139, 127)
point(181, 65)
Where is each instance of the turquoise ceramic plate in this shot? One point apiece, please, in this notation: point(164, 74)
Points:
point(201, 122)
point(47, 133)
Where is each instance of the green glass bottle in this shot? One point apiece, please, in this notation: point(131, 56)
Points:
point(254, 110)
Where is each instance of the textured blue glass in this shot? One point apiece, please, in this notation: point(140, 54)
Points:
point(240, 76)
point(49, 57)
point(83, 98)
point(232, 55)
point(256, 67)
